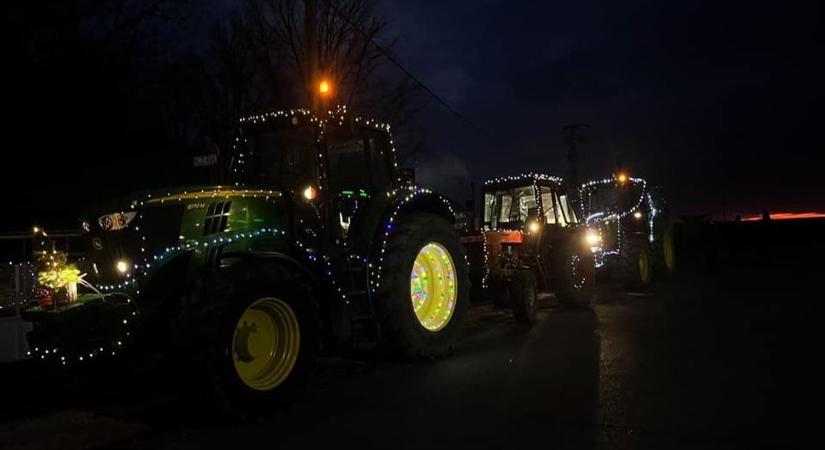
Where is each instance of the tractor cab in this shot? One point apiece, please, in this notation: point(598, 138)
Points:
point(335, 169)
point(527, 204)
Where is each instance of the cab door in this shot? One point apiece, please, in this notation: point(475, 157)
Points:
point(358, 175)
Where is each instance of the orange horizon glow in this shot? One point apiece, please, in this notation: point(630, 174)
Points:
point(787, 216)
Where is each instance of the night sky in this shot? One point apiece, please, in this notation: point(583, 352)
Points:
point(712, 100)
point(719, 102)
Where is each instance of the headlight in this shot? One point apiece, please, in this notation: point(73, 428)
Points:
point(122, 266)
point(116, 221)
point(593, 238)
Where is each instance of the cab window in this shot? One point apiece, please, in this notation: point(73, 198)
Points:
point(379, 160)
point(549, 205)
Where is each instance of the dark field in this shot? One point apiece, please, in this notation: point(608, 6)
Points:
point(725, 354)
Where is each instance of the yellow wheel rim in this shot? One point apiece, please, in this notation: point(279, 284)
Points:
point(265, 343)
point(433, 286)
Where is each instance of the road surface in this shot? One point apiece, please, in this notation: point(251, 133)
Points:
point(692, 363)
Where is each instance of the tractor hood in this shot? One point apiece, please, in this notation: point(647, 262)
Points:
point(124, 239)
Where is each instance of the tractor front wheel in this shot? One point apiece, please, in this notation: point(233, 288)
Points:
point(575, 276)
point(636, 263)
point(523, 296)
point(261, 336)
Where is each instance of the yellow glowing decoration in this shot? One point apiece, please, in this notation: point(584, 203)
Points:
point(433, 287)
point(310, 193)
point(637, 215)
point(534, 227)
point(621, 178)
point(61, 277)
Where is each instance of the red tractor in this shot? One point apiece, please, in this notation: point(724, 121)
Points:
point(529, 238)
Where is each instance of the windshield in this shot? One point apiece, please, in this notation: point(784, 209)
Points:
point(280, 158)
point(509, 208)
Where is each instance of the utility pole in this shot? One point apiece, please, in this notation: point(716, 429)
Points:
point(310, 32)
point(572, 139)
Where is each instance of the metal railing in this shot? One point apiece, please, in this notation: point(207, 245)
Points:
point(17, 288)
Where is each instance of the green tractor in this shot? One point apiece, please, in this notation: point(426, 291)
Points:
point(529, 239)
point(629, 219)
point(318, 245)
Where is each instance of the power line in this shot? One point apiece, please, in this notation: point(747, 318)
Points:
point(403, 69)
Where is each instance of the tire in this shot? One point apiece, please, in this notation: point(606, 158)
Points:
point(523, 296)
point(575, 276)
point(252, 294)
point(636, 263)
point(410, 323)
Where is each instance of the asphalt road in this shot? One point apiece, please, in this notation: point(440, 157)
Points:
point(695, 362)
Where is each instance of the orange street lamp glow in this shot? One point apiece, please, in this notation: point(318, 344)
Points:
point(324, 87)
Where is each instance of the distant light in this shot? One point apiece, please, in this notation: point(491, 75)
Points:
point(621, 178)
point(36, 230)
point(637, 215)
point(534, 226)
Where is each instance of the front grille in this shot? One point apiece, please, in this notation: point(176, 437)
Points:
point(217, 218)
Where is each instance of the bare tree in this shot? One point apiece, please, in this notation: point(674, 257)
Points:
point(346, 30)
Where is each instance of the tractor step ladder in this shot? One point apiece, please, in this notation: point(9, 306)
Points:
point(366, 329)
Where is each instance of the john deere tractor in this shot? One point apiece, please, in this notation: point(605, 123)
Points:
point(529, 239)
point(317, 245)
point(629, 222)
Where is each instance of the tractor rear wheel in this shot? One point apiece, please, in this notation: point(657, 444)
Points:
point(423, 292)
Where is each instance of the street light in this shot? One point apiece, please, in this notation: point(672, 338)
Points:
point(324, 88)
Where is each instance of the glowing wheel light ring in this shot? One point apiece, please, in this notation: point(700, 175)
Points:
point(433, 287)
